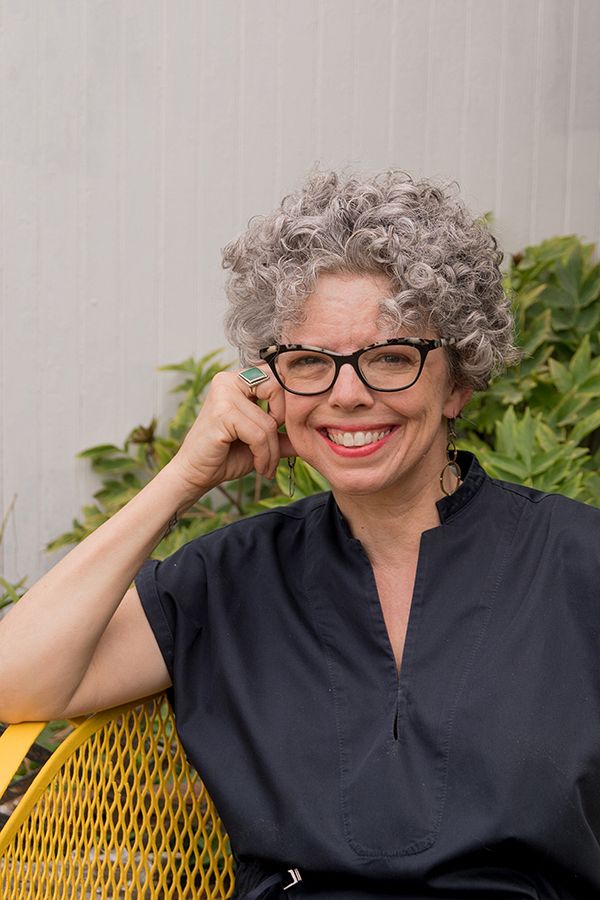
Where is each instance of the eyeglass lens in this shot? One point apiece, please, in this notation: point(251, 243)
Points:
point(383, 368)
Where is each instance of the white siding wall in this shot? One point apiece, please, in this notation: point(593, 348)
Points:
point(138, 136)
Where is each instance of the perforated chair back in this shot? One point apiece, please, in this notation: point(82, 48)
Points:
point(117, 812)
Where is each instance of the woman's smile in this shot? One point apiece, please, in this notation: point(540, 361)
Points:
point(356, 440)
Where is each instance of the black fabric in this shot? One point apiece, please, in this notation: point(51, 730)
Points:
point(475, 773)
point(268, 887)
point(252, 876)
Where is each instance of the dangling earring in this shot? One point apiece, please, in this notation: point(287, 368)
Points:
point(452, 465)
point(291, 461)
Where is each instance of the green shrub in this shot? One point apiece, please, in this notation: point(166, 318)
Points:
point(539, 423)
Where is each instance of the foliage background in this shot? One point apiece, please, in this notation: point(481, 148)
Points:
point(538, 424)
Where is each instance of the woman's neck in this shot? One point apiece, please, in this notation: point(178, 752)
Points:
point(389, 524)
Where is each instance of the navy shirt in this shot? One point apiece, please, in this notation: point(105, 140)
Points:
point(474, 772)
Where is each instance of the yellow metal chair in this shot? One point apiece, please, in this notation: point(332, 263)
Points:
point(116, 812)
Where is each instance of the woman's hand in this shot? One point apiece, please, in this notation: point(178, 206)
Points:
point(233, 435)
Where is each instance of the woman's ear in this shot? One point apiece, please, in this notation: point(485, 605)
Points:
point(457, 400)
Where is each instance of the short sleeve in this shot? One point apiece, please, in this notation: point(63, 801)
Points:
point(173, 594)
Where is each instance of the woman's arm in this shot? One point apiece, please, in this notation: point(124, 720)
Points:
point(51, 636)
point(79, 639)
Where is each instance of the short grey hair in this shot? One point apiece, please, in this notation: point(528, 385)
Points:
point(443, 265)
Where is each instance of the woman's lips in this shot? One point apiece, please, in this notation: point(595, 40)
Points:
point(356, 442)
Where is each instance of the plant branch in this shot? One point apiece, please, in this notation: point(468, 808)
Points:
point(257, 487)
point(231, 499)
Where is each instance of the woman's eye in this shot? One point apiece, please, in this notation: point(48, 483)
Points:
point(393, 359)
point(306, 362)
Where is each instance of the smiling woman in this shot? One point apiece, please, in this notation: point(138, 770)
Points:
point(381, 685)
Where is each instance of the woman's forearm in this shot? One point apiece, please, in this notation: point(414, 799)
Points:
point(48, 639)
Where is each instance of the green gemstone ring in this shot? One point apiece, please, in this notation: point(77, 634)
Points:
point(253, 377)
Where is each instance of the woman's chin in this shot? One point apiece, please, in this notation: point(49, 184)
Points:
point(360, 484)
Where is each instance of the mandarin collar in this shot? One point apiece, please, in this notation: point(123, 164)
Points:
point(473, 477)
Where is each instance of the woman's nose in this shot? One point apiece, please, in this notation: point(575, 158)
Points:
point(349, 391)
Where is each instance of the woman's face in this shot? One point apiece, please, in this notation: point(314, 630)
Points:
point(407, 428)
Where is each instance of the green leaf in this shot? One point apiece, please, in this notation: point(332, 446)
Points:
point(273, 502)
point(525, 438)
point(506, 467)
point(506, 433)
point(561, 376)
point(164, 453)
point(120, 464)
point(538, 333)
point(557, 299)
point(580, 364)
point(99, 450)
point(544, 461)
point(589, 318)
point(188, 365)
point(590, 287)
point(585, 426)
point(569, 409)
point(570, 274)
point(12, 592)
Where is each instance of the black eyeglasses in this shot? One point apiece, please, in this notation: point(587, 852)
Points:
point(393, 365)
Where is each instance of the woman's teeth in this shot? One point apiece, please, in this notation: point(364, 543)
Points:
point(356, 438)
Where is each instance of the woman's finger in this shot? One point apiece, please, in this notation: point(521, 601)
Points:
point(258, 429)
point(258, 383)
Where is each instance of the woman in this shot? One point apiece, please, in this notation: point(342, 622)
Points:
point(391, 689)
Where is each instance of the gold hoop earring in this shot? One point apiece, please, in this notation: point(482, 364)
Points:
point(291, 461)
point(452, 465)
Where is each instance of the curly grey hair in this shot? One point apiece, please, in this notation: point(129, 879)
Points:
point(442, 264)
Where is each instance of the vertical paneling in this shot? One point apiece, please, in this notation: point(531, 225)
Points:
point(22, 341)
point(408, 85)
point(217, 160)
point(137, 138)
point(551, 139)
point(257, 110)
point(336, 63)
point(178, 211)
point(582, 206)
point(141, 85)
point(481, 104)
point(446, 66)
point(99, 250)
point(58, 287)
point(372, 28)
point(297, 98)
point(519, 115)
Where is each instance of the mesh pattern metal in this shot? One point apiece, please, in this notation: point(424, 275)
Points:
point(125, 816)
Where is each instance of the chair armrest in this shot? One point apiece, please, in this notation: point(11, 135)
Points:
point(14, 744)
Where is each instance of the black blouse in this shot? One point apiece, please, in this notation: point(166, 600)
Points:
point(473, 773)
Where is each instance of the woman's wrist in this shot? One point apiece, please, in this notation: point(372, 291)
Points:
point(184, 491)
